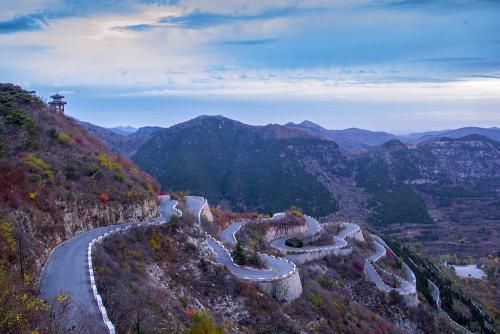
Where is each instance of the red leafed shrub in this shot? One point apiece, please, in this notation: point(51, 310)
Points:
point(357, 265)
point(13, 185)
point(79, 141)
point(104, 198)
point(162, 193)
point(389, 254)
point(189, 314)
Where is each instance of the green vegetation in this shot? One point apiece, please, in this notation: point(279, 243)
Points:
point(52, 133)
point(294, 242)
point(393, 201)
point(239, 255)
point(246, 166)
point(94, 171)
point(475, 319)
point(203, 323)
point(38, 165)
point(108, 163)
point(11, 98)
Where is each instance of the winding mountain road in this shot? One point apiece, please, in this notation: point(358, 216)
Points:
point(66, 270)
point(278, 268)
point(314, 227)
point(282, 268)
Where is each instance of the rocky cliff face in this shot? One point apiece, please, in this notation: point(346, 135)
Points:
point(75, 219)
point(459, 160)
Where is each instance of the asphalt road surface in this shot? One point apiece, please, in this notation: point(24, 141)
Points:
point(66, 272)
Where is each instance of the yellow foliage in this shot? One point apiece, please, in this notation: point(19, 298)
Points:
point(106, 162)
point(64, 137)
point(61, 298)
point(155, 241)
point(37, 164)
point(32, 195)
point(316, 300)
point(202, 323)
point(7, 235)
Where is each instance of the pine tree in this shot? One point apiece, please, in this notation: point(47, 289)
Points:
point(239, 254)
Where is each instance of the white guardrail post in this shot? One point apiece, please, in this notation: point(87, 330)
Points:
point(102, 309)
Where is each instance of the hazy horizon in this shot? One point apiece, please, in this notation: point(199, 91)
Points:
point(125, 125)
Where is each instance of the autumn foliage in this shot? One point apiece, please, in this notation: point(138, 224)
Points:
point(104, 198)
point(49, 167)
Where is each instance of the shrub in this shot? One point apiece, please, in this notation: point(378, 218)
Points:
point(239, 254)
point(155, 241)
point(53, 133)
point(64, 138)
point(118, 177)
point(104, 198)
point(203, 323)
point(297, 214)
point(72, 173)
point(38, 165)
point(108, 163)
point(32, 195)
point(7, 238)
point(325, 282)
point(357, 265)
point(316, 300)
point(294, 242)
point(19, 118)
point(94, 171)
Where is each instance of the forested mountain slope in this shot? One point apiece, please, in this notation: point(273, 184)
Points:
point(258, 168)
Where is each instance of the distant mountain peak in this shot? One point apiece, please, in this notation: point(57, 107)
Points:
point(123, 130)
point(310, 124)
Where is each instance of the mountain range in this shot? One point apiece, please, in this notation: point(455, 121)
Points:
point(353, 140)
point(359, 140)
point(423, 182)
point(123, 130)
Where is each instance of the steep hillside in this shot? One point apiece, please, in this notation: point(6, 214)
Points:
point(160, 280)
point(353, 139)
point(119, 141)
point(383, 173)
point(255, 168)
point(451, 182)
point(56, 180)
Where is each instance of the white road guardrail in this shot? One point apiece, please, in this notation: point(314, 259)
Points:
point(97, 297)
point(259, 279)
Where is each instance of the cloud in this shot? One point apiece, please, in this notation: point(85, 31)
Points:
point(250, 42)
point(198, 19)
point(19, 23)
point(136, 27)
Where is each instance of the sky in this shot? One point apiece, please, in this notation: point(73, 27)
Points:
point(392, 65)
